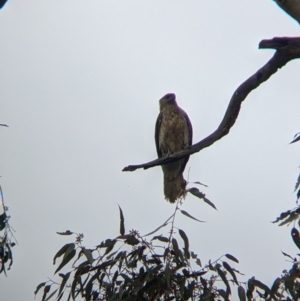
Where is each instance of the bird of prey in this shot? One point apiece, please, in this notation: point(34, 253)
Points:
point(173, 132)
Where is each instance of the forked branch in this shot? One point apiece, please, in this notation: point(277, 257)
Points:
point(286, 48)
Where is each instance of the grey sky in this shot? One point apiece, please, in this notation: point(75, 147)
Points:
point(80, 87)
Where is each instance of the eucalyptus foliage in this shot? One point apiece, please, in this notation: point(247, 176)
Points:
point(162, 267)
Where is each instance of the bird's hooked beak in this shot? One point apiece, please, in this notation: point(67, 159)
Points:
point(168, 99)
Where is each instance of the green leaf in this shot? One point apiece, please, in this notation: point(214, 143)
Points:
point(69, 250)
point(293, 216)
point(126, 278)
point(168, 276)
point(188, 215)
point(196, 192)
point(261, 285)
point(296, 138)
point(115, 277)
point(297, 185)
point(282, 216)
point(229, 269)
point(199, 183)
point(9, 256)
point(163, 225)
point(89, 286)
point(295, 236)
point(60, 296)
point(83, 268)
point(231, 258)
point(166, 253)
point(65, 260)
point(161, 238)
point(194, 255)
point(88, 254)
point(46, 290)
point(111, 255)
point(275, 286)
point(241, 293)
point(251, 288)
point(223, 277)
point(223, 294)
point(287, 255)
point(62, 251)
point(186, 243)
point(39, 287)
point(122, 226)
point(185, 239)
point(73, 287)
point(109, 245)
point(175, 246)
point(51, 295)
point(63, 282)
point(68, 232)
point(132, 240)
point(104, 265)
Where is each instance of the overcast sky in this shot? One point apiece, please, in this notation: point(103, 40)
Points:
point(80, 87)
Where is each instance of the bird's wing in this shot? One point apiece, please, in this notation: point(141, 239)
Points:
point(157, 130)
point(189, 132)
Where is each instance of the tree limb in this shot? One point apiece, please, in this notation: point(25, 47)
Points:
point(287, 49)
point(291, 7)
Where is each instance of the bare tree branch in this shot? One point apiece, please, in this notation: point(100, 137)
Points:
point(291, 7)
point(287, 49)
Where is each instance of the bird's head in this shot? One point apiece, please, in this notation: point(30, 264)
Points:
point(168, 99)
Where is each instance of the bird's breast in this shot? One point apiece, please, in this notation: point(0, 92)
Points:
point(173, 135)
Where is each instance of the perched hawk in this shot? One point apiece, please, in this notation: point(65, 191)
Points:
point(173, 132)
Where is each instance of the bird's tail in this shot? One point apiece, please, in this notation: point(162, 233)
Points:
point(174, 188)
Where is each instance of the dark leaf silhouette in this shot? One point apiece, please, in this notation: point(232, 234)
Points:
point(63, 282)
point(122, 226)
point(224, 279)
point(295, 237)
point(163, 225)
point(185, 239)
point(88, 254)
point(188, 215)
point(65, 260)
point(46, 290)
point(241, 293)
point(297, 183)
point(275, 286)
point(51, 295)
point(199, 183)
point(68, 232)
point(231, 258)
point(161, 238)
point(76, 281)
point(39, 287)
point(229, 269)
point(261, 285)
point(296, 138)
point(63, 250)
point(282, 216)
point(287, 255)
point(196, 192)
point(198, 262)
point(292, 217)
